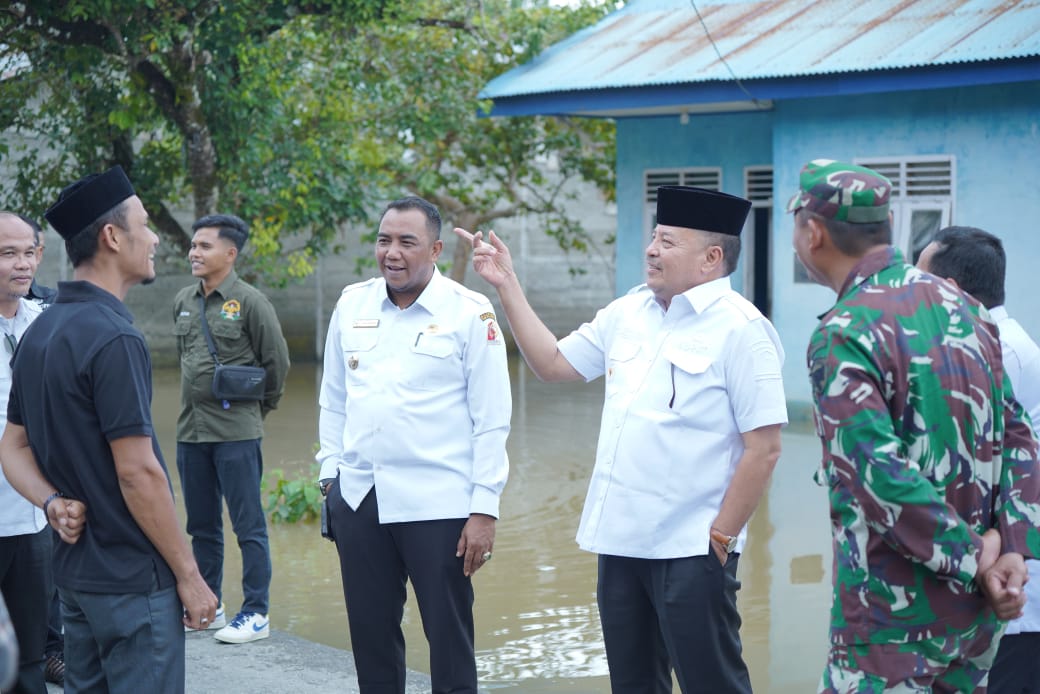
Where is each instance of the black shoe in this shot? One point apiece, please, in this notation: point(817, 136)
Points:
point(54, 670)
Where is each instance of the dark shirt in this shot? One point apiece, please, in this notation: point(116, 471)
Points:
point(246, 331)
point(42, 295)
point(82, 378)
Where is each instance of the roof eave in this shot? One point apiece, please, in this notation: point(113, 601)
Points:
point(670, 99)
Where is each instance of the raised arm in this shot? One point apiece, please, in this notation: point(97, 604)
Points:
point(537, 344)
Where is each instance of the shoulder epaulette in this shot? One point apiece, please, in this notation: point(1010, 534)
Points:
point(359, 285)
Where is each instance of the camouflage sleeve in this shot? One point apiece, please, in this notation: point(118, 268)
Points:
point(867, 471)
point(1017, 509)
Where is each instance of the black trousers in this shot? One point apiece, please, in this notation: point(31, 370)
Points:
point(1017, 667)
point(660, 615)
point(375, 561)
point(25, 579)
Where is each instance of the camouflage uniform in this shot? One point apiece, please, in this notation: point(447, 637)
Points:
point(924, 449)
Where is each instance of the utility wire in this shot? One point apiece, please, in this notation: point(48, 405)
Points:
point(736, 79)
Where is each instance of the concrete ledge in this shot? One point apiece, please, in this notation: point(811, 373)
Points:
point(281, 663)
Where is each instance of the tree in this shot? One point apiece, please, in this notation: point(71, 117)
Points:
point(299, 116)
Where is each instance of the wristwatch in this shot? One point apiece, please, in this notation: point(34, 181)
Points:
point(728, 542)
point(324, 485)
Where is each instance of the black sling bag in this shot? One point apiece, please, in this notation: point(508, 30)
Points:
point(232, 383)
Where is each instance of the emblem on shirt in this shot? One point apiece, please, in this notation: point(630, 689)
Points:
point(352, 362)
point(231, 310)
point(494, 336)
point(485, 316)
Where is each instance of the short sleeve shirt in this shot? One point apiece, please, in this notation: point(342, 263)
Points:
point(82, 379)
point(682, 386)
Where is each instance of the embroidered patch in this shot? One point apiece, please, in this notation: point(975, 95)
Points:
point(494, 337)
point(231, 310)
point(485, 316)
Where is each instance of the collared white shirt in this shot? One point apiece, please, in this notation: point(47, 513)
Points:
point(18, 516)
point(416, 402)
point(681, 387)
point(1022, 366)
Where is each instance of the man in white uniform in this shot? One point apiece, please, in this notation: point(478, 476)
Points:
point(689, 438)
point(25, 541)
point(415, 409)
point(974, 260)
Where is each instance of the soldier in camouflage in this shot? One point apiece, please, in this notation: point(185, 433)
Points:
point(929, 460)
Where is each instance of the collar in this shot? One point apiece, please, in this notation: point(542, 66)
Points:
point(431, 297)
point(869, 265)
point(704, 295)
point(224, 288)
point(81, 291)
point(38, 291)
point(998, 313)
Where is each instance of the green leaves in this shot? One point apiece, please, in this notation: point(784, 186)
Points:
point(292, 500)
point(299, 117)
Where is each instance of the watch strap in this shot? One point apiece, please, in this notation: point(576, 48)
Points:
point(728, 542)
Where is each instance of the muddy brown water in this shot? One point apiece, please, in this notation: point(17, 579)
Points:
point(536, 619)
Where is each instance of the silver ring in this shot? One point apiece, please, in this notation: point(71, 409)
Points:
point(204, 620)
point(486, 556)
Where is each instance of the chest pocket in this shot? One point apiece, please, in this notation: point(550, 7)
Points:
point(691, 364)
point(357, 345)
point(182, 326)
point(691, 378)
point(624, 366)
point(226, 329)
point(434, 364)
point(358, 340)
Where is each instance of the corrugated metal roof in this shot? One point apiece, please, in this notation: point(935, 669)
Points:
point(661, 42)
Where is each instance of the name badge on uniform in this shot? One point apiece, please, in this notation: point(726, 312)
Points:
point(366, 323)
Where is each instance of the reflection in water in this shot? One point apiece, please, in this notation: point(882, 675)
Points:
point(536, 620)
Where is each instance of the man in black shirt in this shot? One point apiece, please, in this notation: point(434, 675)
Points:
point(79, 426)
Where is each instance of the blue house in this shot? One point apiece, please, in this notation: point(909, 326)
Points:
point(943, 96)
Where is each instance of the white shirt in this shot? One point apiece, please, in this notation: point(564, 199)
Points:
point(416, 402)
point(681, 387)
point(1022, 366)
point(17, 515)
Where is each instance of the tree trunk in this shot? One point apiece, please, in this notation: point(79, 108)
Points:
point(460, 259)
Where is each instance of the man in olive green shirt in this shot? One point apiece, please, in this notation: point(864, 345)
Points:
point(218, 442)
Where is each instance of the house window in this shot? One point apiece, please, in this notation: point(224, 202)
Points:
point(757, 237)
point(701, 177)
point(922, 198)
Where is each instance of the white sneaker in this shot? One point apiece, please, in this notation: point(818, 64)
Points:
point(218, 621)
point(245, 627)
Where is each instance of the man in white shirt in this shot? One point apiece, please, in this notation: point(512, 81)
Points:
point(689, 438)
point(25, 541)
point(974, 260)
point(414, 415)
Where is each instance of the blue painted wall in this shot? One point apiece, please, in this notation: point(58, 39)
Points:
point(992, 132)
point(729, 141)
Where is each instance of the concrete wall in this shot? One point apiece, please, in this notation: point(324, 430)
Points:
point(993, 133)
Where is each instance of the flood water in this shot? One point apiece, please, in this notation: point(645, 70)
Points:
point(536, 620)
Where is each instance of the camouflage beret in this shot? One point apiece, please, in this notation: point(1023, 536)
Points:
point(841, 191)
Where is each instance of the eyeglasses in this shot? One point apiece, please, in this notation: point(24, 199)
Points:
point(10, 342)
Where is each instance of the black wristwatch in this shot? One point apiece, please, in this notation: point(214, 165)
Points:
point(324, 485)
